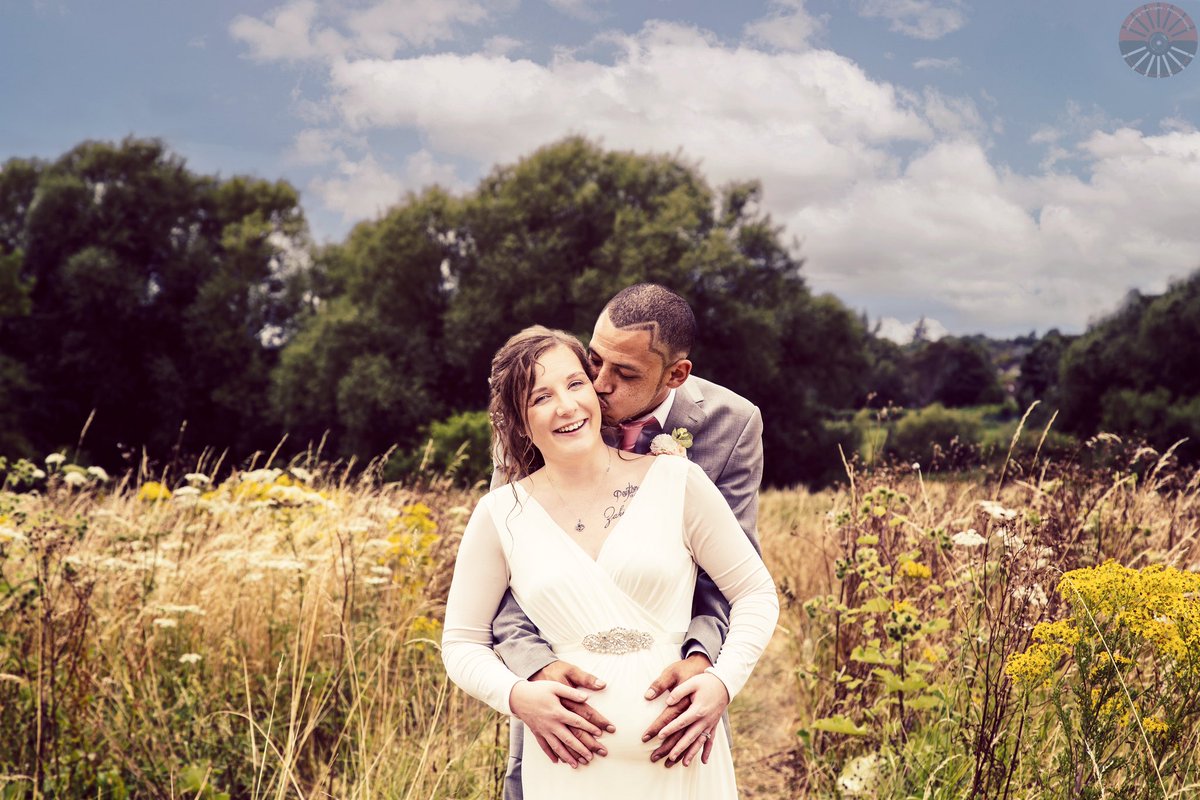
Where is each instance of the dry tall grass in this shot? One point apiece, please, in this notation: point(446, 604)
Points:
point(276, 636)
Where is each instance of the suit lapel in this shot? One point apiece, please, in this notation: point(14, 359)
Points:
point(688, 409)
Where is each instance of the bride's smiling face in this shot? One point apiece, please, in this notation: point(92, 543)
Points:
point(562, 414)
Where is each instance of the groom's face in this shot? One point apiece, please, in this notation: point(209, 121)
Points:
point(631, 377)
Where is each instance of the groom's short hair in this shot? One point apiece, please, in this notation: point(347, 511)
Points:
point(655, 308)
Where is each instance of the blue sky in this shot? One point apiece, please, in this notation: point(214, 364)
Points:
point(996, 167)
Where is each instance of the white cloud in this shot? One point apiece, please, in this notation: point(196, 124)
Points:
point(386, 27)
point(893, 191)
point(902, 332)
point(950, 64)
point(316, 146)
point(920, 19)
point(1074, 122)
point(1010, 252)
point(955, 116)
point(812, 121)
point(364, 189)
point(788, 27)
point(286, 34)
point(501, 45)
point(301, 30)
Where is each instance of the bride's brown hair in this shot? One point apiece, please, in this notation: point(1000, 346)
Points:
point(509, 384)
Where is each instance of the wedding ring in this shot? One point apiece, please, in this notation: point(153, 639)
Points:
point(706, 734)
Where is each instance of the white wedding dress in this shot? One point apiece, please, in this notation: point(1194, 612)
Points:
point(642, 580)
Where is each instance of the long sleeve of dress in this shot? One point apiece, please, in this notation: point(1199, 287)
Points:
point(719, 545)
point(480, 581)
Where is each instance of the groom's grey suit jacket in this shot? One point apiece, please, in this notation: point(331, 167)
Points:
point(726, 433)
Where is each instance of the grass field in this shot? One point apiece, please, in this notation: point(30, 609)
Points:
point(277, 636)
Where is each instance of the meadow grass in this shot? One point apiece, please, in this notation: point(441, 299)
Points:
point(277, 636)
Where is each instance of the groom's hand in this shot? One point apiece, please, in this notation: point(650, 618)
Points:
point(571, 675)
point(671, 677)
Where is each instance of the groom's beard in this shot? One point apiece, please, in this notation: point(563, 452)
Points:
point(607, 419)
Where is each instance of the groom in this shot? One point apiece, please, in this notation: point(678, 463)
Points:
point(641, 372)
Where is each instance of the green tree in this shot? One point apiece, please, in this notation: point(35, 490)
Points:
point(549, 239)
point(1038, 378)
point(158, 296)
point(955, 373)
point(414, 305)
point(14, 384)
point(369, 365)
point(1134, 372)
point(887, 375)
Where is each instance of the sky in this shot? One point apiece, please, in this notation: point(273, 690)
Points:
point(994, 167)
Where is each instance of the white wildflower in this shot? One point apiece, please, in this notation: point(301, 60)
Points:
point(997, 511)
point(11, 534)
point(165, 622)
point(55, 459)
point(171, 608)
point(261, 475)
point(283, 564)
point(185, 493)
point(74, 479)
point(151, 560)
point(379, 569)
point(197, 479)
point(38, 474)
point(376, 581)
point(189, 658)
point(665, 445)
point(1010, 539)
point(916, 465)
point(860, 776)
point(98, 473)
point(303, 474)
point(294, 496)
point(1033, 594)
point(968, 538)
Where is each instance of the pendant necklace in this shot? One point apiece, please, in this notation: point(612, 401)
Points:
point(579, 526)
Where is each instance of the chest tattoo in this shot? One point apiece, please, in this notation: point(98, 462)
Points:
point(617, 509)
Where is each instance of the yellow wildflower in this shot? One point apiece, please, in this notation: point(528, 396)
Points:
point(915, 570)
point(1034, 667)
point(152, 491)
point(1154, 726)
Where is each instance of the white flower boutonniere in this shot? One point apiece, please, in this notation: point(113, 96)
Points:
point(675, 443)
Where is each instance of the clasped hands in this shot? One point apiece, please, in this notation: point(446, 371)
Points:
point(553, 705)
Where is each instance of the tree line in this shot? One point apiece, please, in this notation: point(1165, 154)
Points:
point(173, 311)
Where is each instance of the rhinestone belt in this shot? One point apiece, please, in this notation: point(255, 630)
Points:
point(618, 641)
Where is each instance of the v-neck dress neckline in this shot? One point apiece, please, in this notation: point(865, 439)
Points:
point(600, 552)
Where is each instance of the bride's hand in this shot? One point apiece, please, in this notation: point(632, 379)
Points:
point(539, 704)
point(709, 697)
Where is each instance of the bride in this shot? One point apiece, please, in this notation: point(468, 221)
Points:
point(601, 550)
